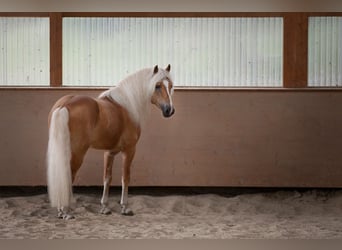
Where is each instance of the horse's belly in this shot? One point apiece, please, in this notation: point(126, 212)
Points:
point(106, 141)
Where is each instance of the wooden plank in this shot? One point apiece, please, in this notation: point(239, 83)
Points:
point(295, 59)
point(24, 14)
point(56, 49)
point(172, 14)
point(324, 13)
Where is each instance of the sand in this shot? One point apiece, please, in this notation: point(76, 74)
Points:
point(310, 214)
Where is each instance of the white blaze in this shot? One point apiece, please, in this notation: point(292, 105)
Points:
point(166, 84)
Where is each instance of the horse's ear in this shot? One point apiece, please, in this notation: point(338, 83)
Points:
point(155, 70)
point(168, 68)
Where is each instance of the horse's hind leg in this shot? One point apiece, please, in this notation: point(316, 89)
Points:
point(75, 164)
point(107, 179)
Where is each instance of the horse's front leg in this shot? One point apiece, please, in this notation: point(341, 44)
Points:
point(127, 158)
point(107, 179)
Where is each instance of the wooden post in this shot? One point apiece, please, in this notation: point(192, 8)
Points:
point(55, 49)
point(295, 50)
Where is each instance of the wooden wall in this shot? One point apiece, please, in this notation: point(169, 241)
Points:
point(270, 138)
point(259, 138)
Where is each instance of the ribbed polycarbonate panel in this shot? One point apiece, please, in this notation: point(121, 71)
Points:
point(24, 51)
point(325, 51)
point(202, 51)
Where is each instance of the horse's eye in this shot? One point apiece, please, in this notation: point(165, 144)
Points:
point(158, 86)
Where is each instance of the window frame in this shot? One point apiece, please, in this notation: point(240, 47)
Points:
point(295, 41)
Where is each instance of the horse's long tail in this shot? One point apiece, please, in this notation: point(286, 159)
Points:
point(58, 160)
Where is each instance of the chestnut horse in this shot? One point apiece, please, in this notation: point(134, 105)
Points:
point(111, 122)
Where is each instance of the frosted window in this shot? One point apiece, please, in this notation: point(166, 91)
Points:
point(325, 51)
point(24, 51)
point(214, 52)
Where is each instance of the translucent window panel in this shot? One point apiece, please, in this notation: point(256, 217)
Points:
point(202, 51)
point(24, 51)
point(325, 52)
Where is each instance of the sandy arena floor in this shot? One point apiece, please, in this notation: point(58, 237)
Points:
point(310, 214)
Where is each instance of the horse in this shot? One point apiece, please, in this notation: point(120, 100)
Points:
point(111, 122)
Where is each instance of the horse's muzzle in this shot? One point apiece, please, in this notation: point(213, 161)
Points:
point(168, 110)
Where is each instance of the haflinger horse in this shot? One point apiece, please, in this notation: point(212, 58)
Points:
point(111, 122)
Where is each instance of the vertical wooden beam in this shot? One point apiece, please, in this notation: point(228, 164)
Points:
point(55, 49)
point(295, 50)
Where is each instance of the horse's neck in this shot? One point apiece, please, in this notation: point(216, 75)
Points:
point(132, 95)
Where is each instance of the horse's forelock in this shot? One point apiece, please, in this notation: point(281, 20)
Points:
point(160, 76)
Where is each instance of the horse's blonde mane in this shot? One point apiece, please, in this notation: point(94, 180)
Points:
point(134, 93)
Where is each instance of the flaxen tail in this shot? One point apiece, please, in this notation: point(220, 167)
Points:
point(58, 160)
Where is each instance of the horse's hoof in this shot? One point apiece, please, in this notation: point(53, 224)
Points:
point(105, 211)
point(129, 213)
point(126, 212)
point(66, 216)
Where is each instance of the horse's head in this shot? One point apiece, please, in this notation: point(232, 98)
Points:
point(163, 90)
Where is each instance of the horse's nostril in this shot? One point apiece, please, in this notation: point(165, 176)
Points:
point(167, 110)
